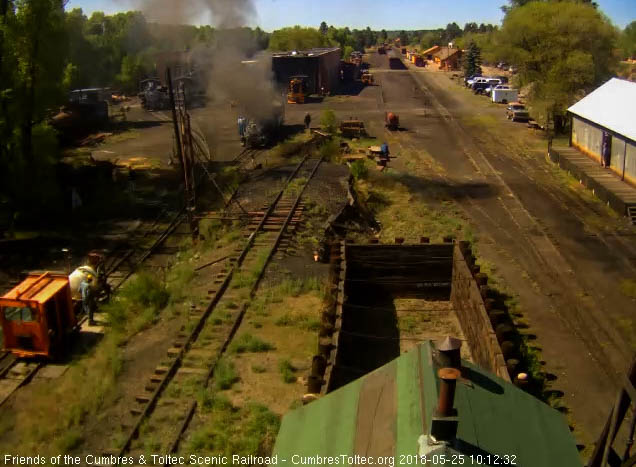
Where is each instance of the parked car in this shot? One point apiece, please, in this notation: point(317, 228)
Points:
point(479, 86)
point(503, 79)
point(517, 112)
point(470, 80)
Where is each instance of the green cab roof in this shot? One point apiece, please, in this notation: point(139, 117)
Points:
point(386, 412)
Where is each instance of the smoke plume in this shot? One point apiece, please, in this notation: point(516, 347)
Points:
point(248, 85)
point(223, 14)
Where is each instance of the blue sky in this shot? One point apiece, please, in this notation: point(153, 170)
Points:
point(379, 14)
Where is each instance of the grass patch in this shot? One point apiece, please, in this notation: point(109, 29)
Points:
point(330, 150)
point(138, 304)
point(225, 374)
point(287, 371)
point(410, 212)
point(302, 320)
point(407, 323)
point(258, 368)
point(295, 186)
point(248, 343)
point(628, 288)
point(359, 170)
point(249, 277)
point(232, 430)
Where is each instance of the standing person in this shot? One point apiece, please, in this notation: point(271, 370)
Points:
point(384, 150)
point(307, 120)
point(241, 129)
point(87, 298)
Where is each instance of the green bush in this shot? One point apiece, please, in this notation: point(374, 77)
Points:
point(359, 170)
point(328, 121)
point(225, 374)
point(287, 371)
point(330, 150)
point(146, 289)
point(248, 343)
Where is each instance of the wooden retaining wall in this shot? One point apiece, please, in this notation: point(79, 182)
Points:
point(468, 303)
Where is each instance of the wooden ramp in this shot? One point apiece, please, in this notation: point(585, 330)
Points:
point(605, 184)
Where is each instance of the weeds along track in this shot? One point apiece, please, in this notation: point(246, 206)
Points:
point(167, 401)
point(147, 239)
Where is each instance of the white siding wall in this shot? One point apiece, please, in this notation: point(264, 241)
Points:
point(618, 150)
point(587, 137)
point(630, 163)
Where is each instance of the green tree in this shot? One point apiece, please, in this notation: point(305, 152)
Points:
point(563, 49)
point(451, 32)
point(346, 52)
point(627, 41)
point(383, 35)
point(404, 38)
point(323, 28)
point(429, 39)
point(297, 38)
point(328, 121)
point(472, 60)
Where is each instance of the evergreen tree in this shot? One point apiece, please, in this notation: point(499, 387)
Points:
point(472, 61)
point(323, 28)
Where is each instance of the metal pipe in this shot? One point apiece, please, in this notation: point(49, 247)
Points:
point(448, 382)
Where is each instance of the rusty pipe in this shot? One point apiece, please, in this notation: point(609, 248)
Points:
point(448, 382)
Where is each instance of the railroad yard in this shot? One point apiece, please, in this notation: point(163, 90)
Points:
point(312, 264)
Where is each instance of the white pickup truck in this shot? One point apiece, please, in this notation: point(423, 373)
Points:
point(504, 94)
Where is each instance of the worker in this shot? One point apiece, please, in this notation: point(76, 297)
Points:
point(241, 129)
point(307, 120)
point(384, 150)
point(88, 304)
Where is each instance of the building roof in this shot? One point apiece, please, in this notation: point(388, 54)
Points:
point(431, 50)
point(306, 53)
point(38, 288)
point(610, 106)
point(385, 412)
point(446, 52)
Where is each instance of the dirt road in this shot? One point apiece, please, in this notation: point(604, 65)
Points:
point(557, 248)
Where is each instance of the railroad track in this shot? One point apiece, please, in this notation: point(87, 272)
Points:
point(167, 405)
point(123, 261)
point(246, 156)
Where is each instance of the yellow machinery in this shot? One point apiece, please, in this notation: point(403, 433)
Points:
point(297, 92)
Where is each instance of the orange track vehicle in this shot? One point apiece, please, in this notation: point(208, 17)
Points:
point(37, 316)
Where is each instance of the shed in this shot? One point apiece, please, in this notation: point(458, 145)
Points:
point(390, 413)
point(320, 65)
point(604, 127)
point(447, 58)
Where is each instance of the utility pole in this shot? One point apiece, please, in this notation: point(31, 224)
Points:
point(183, 137)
